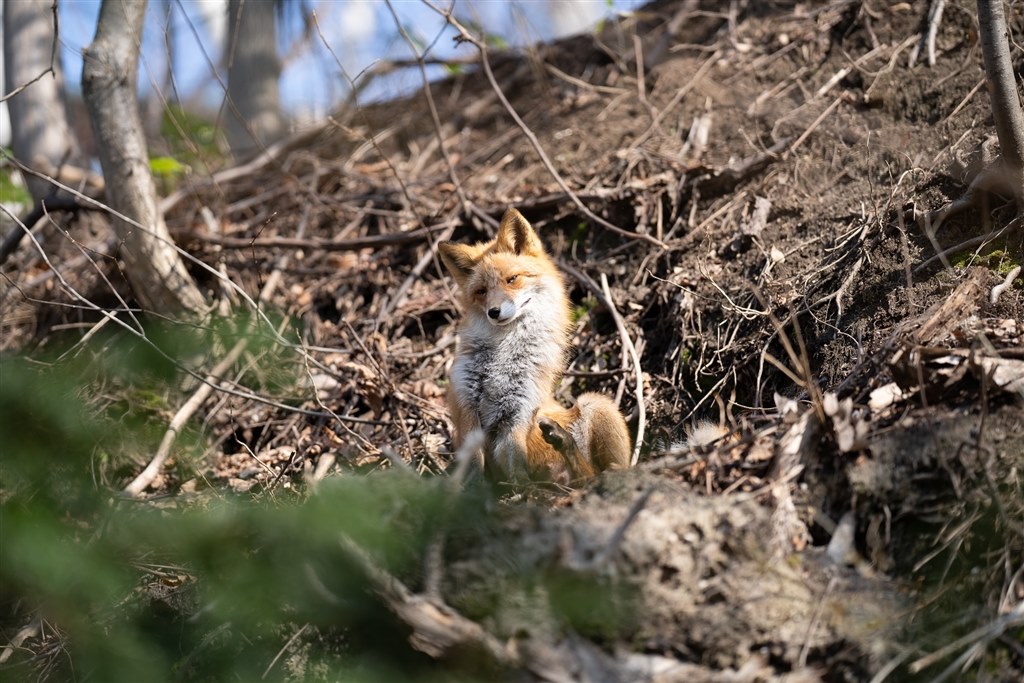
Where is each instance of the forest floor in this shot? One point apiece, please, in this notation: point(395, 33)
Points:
point(761, 186)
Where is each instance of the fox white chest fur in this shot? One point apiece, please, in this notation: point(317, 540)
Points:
point(504, 374)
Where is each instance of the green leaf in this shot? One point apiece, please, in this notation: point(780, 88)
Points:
point(166, 166)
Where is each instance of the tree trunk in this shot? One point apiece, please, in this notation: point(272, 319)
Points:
point(109, 75)
point(1006, 110)
point(254, 117)
point(40, 134)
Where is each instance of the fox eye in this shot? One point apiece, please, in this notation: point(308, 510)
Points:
point(511, 280)
point(480, 291)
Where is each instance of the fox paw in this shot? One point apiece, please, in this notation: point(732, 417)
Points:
point(557, 438)
point(577, 466)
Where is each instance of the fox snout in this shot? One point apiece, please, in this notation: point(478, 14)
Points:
point(504, 312)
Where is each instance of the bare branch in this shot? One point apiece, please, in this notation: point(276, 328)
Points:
point(351, 244)
point(8, 11)
point(466, 36)
point(211, 382)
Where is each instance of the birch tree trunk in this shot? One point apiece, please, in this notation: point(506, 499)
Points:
point(254, 115)
point(40, 134)
point(1006, 110)
point(109, 76)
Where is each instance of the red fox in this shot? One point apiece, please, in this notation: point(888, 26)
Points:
point(513, 342)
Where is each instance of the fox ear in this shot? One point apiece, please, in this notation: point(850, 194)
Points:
point(458, 259)
point(517, 236)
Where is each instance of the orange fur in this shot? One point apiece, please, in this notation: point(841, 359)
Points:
point(513, 340)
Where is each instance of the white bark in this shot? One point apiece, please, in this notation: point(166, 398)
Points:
point(254, 117)
point(1006, 109)
point(40, 134)
point(109, 75)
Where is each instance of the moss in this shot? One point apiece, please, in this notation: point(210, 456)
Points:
point(998, 260)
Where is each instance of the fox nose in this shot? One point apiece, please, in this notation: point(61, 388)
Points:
point(494, 313)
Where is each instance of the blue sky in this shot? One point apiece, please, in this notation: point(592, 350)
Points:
point(359, 31)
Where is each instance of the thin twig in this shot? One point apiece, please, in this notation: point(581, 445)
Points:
point(149, 474)
point(152, 470)
point(641, 83)
point(963, 103)
point(817, 122)
point(676, 99)
point(982, 634)
point(967, 244)
point(53, 57)
point(604, 296)
point(818, 609)
point(314, 244)
point(51, 203)
point(434, 117)
point(283, 650)
point(612, 547)
point(927, 41)
point(532, 137)
point(628, 343)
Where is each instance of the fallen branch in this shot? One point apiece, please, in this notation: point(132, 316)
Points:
point(436, 628)
point(998, 290)
point(210, 382)
point(31, 630)
point(720, 181)
point(149, 475)
point(352, 244)
point(927, 42)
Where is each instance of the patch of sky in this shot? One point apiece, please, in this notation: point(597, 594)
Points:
point(190, 35)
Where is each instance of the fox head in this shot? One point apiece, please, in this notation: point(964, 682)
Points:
point(508, 276)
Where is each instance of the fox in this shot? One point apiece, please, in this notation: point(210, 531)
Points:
point(513, 344)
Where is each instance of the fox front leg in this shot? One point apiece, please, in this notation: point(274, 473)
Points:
point(507, 455)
